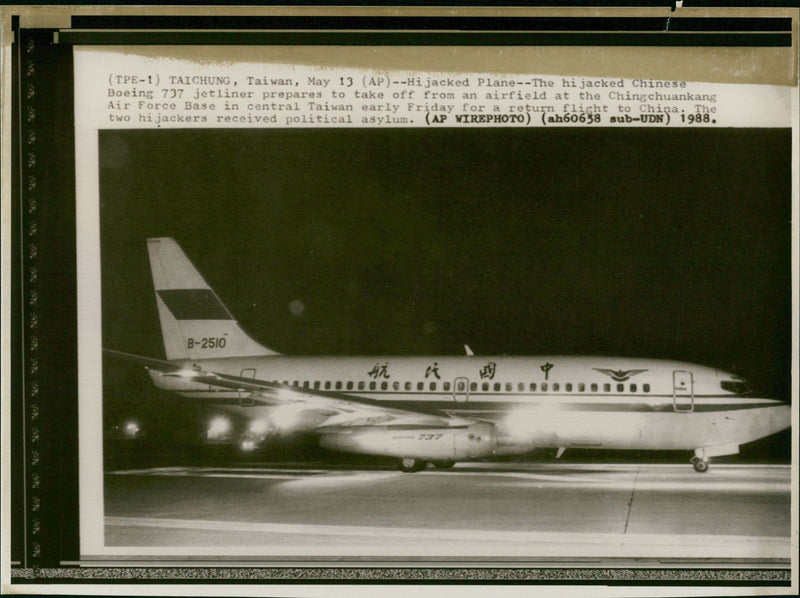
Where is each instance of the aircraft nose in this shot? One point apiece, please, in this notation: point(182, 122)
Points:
point(781, 418)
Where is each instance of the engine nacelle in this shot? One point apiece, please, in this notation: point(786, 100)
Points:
point(428, 444)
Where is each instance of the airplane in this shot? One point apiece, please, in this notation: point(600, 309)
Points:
point(442, 409)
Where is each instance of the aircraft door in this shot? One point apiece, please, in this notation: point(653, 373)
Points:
point(246, 396)
point(682, 391)
point(461, 390)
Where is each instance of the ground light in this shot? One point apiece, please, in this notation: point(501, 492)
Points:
point(218, 428)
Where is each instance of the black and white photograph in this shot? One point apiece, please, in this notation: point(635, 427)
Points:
point(318, 300)
point(505, 344)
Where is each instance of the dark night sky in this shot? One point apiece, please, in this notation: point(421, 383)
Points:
point(667, 243)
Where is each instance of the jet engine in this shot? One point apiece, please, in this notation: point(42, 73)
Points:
point(424, 443)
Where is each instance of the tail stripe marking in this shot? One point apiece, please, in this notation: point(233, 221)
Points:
point(194, 304)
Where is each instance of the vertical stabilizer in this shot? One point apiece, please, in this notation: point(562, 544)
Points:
point(194, 322)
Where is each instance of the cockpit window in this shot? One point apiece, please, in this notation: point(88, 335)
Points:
point(739, 387)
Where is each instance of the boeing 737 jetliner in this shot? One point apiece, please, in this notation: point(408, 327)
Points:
point(442, 409)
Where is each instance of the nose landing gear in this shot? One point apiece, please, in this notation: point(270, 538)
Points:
point(700, 465)
point(704, 453)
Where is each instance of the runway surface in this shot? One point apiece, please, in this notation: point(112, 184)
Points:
point(475, 511)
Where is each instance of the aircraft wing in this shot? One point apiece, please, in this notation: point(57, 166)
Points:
point(308, 409)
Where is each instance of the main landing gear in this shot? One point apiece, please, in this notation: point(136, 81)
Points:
point(410, 465)
point(700, 465)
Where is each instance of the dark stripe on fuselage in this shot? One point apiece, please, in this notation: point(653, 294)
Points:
point(194, 304)
point(477, 407)
point(358, 397)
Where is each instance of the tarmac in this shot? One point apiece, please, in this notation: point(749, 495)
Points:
point(494, 512)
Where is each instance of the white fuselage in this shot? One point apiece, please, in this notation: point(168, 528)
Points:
point(547, 401)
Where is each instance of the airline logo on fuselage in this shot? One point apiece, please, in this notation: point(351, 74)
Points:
point(619, 375)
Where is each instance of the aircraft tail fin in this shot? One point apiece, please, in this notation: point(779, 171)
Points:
point(194, 322)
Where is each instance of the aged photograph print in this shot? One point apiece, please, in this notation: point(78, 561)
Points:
point(442, 257)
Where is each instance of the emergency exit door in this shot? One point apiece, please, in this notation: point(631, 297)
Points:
point(682, 390)
point(246, 396)
point(461, 390)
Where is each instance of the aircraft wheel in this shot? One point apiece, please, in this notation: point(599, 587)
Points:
point(443, 464)
point(409, 465)
point(700, 465)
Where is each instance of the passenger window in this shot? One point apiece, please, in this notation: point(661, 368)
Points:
point(473, 386)
point(556, 387)
point(432, 386)
point(420, 386)
point(544, 386)
point(521, 387)
point(485, 386)
point(305, 383)
point(372, 385)
point(581, 387)
point(316, 383)
point(408, 385)
point(294, 383)
point(646, 387)
point(508, 387)
point(607, 387)
point(633, 388)
point(568, 387)
point(384, 385)
point(620, 388)
point(533, 386)
point(594, 387)
point(497, 386)
point(338, 385)
point(327, 384)
point(446, 386)
point(360, 385)
point(396, 385)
